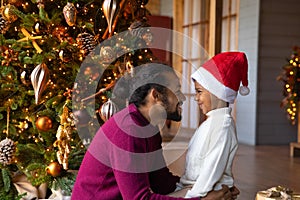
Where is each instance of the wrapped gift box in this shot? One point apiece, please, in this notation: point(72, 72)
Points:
point(277, 193)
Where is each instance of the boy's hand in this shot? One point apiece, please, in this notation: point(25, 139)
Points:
point(223, 194)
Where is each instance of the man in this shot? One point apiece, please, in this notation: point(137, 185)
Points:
point(125, 160)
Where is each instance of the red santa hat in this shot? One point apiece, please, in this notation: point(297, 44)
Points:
point(223, 74)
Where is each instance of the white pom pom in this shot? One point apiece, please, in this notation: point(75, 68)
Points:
point(244, 90)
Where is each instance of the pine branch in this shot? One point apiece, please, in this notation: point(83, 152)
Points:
point(6, 180)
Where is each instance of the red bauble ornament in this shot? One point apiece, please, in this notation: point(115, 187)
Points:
point(43, 123)
point(54, 169)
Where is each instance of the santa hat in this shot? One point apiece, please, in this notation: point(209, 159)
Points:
point(223, 74)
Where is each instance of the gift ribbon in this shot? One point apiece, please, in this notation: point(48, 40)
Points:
point(32, 38)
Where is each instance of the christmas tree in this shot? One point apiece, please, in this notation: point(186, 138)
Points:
point(59, 63)
point(290, 77)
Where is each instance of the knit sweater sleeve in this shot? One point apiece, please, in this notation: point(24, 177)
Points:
point(137, 185)
point(139, 181)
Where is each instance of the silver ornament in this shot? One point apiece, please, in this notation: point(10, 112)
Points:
point(109, 8)
point(39, 79)
point(108, 109)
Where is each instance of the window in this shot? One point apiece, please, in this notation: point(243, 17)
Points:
point(212, 24)
point(229, 25)
point(196, 27)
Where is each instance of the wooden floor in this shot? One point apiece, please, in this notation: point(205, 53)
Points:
point(255, 168)
point(261, 167)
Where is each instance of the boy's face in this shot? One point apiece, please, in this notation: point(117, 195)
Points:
point(205, 100)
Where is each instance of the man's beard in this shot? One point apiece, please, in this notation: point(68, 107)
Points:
point(175, 116)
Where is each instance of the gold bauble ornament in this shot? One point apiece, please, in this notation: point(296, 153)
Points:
point(54, 169)
point(43, 123)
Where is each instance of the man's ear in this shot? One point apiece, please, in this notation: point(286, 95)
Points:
point(154, 94)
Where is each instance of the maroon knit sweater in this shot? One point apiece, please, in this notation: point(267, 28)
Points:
point(125, 161)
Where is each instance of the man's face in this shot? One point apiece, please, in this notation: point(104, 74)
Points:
point(174, 98)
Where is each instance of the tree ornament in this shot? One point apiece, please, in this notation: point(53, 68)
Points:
point(108, 109)
point(81, 117)
point(107, 54)
point(40, 27)
point(4, 25)
point(129, 68)
point(109, 8)
point(17, 3)
point(8, 13)
point(70, 13)
point(32, 39)
point(39, 79)
point(54, 169)
point(148, 37)
point(24, 78)
point(40, 4)
point(7, 150)
point(131, 7)
point(139, 29)
point(9, 55)
point(65, 55)
point(44, 123)
point(64, 136)
point(86, 43)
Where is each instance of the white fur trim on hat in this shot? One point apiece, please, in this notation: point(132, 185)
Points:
point(210, 83)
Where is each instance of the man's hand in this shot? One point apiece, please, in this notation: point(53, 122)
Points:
point(234, 192)
point(223, 194)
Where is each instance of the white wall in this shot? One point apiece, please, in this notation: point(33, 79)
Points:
point(248, 42)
